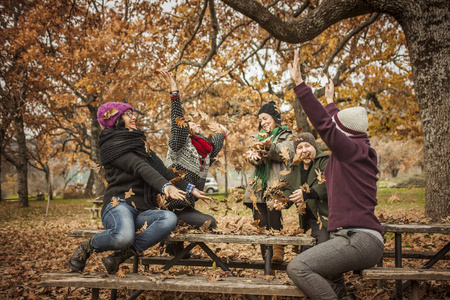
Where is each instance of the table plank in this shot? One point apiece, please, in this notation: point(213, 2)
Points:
point(300, 240)
point(416, 228)
point(182, 283)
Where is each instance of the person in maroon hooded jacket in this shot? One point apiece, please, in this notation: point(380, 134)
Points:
point(356, 240)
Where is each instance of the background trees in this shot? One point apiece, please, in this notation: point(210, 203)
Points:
point(84, 53)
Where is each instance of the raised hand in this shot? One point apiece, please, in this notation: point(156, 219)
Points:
point(294, 69)
point(329, 91)
point(170, 81)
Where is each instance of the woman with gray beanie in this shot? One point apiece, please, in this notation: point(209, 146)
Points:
point(356, 240)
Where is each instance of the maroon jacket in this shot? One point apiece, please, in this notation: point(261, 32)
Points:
point(351, 172)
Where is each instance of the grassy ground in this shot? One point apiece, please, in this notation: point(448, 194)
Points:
point(28, 248)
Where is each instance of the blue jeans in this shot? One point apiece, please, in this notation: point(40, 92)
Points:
point(121, 223)
point(346, 250)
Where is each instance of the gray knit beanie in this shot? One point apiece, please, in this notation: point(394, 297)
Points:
point(352, 120)
point(305, 137)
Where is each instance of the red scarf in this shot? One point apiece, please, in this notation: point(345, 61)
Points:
point(203, 147)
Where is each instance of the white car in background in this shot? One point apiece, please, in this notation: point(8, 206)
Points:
point(211, 185)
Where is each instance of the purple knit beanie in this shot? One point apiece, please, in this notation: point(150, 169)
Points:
point(108, 113)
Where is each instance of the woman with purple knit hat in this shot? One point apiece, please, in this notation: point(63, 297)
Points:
point(135, 177)
point(356, 240)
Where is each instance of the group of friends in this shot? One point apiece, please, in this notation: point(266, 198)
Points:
point(337, 190)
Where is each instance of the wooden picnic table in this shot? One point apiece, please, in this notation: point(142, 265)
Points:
point(202, 239)
point(399, 229)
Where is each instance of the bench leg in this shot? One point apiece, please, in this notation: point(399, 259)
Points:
point(398, 264)
point(95, 294)
point(113, 294)
point(415, 290)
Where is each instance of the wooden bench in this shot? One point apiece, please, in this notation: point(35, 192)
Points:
point(96, 208)
point(248, 286)
point(398, 230)
point(412, 275)
point(184, 283)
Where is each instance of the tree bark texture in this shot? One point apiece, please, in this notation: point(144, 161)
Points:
point(22, 161)
point(426, 26)
point(99, 187)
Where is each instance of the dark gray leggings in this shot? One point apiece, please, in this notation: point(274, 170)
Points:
point(271, 219)
point(346, 250)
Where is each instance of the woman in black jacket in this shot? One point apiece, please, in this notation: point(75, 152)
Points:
point(135, 175)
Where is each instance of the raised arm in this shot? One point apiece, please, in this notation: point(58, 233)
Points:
point(179, 131)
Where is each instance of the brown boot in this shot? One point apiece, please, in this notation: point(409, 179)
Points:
point(278, 254)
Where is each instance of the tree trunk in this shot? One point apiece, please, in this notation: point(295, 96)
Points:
point(301, 118)
point(226, 168)
point(89, 189)
point(99, 187)
point(48, 176)
point(426, 26)
point(22, 163)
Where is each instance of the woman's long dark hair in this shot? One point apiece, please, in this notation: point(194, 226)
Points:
point(120, 123)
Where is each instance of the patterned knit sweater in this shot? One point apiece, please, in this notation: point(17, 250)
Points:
point(183, 155)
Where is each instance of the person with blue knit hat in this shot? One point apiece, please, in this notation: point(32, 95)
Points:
point(356, 240)
point(136, 178)
point(268, 156)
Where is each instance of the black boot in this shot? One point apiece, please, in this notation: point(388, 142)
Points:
point(113, 261)
point(78, 260)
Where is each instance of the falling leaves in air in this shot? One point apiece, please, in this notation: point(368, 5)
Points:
point(254, 199)
point(275, 191)
point(179, 172)
point(285, 172)
point(298, 158)
point(319, 220)
point(142, 229)
point(175, 179)
point(320, 176)
point(394, 198)
point(148, 148)
point(115, 201)
point(161, 199)
point(205, 225)
point(134, 205)
point(285, 155)
point(181, 122)
point(129, 194)
point(305, 188)
point(308, 233)
point(110, 113)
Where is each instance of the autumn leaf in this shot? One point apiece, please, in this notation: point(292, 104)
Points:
point(215, 127)
point(121, 273)
point(394, 198)
point(284, 152)
point(181, 122)
point(110, 113)
point(142, 229)
point(134, 205)
point(161, 199)
point(285, 172)
point(115, 201)
point(175, 179)
point(179, 172)
point(320, 176)
point(205, 225)
point(305, 188)
point(129, 194)
point(309, 232)
point(254, 199)
point(301, 208)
